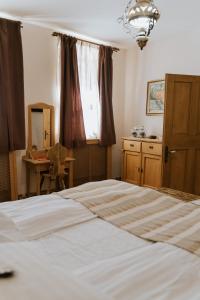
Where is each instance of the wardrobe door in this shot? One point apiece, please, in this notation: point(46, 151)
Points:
point(132, 167)
point(182, 133)
point(151, 170)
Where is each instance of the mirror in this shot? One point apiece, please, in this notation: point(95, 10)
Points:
point(40, 126)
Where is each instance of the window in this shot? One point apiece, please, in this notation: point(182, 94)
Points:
point(88, 76)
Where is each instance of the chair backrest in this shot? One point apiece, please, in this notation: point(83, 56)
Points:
point(57, 155)
point(38, 154)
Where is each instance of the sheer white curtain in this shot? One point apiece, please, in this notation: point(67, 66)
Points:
point(88, 75)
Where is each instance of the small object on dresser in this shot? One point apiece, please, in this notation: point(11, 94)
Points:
point(138, 132)
point(153, 137)
point(6, 273)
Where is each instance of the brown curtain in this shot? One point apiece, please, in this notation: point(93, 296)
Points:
point(105, 79)
point(72, 130)
point(12, 119)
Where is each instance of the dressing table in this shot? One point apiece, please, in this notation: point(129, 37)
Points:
point(36, 167)
point(41, 137)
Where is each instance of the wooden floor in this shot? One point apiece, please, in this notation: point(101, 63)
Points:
point(178, 194)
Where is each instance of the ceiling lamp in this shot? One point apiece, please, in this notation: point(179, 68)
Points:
point(139, 19)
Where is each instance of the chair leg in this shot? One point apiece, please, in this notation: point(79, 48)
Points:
point(61, 183)
point(57, 183)
point(41, 183)
point(49, 186)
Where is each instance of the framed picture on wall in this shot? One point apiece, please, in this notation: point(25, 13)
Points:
point(155, 97)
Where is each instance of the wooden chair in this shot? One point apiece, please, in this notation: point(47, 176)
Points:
point(38, 154)
point(57, 155)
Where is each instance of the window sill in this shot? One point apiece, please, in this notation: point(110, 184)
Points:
point(92, 141)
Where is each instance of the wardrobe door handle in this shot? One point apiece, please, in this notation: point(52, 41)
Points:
point(150, 147)
point(132, 145)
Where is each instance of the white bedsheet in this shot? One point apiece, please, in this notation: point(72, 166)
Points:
point(35, 278)
point(197, 202)
point(8, 230)
point(158, 272)
point(43, 266)
point(106, 261)
point(38, 216)
point(86, 243)
point(114, 263)
point(152, 272)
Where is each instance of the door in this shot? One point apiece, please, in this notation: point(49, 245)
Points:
point(151, 170)
point(132, 167)
point(181, 167)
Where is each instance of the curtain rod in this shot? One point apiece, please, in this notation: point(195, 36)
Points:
point(20, 23)
point(81, 40)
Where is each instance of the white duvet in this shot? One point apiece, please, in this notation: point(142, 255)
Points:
point(87, 243)
point(71, 254)
point(36, 279)
point(154, 272)
point(38, 216)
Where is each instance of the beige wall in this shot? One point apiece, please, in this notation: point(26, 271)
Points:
point(40, 73)
point(40, 61)
point(130, 109)
point(173, 54)
point(119, 59)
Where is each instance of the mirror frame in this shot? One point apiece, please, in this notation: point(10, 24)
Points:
point(41, 105)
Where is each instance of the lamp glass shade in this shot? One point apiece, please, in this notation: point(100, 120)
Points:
point(141, 22)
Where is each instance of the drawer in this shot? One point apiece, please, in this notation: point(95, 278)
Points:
point(152, 148)
point(132, 146)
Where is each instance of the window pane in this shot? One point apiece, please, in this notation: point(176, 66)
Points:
point(88, 76)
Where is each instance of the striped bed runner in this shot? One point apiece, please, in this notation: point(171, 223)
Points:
point(143, 212)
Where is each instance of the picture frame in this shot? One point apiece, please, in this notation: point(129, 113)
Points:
point(155, 97)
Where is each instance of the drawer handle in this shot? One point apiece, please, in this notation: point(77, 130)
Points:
point(150, 147)
point(132, 145)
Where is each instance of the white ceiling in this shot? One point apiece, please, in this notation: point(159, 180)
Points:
point(98, 18)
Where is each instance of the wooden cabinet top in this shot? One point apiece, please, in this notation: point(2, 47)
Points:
point(131, 138)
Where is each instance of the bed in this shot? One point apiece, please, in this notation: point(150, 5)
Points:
point(60, 249)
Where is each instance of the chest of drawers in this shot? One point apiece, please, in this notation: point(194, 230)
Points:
point(142, 162)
